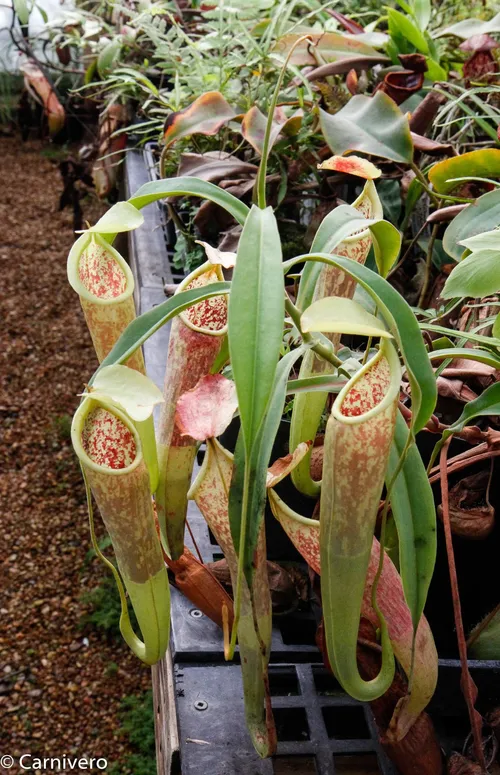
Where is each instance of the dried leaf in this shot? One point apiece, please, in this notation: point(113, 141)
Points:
point(284, 465)
point(471, 514)
point(216, 256)
point(214, 166)
point(330, 46)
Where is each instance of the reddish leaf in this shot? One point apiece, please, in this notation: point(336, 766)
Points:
point(348, 24)
point(481, 64)
point(351, 165)
point(205, 411)
point(432, 147)
point(253, 126)
point(425, 113)
point(214, 166)
point(344, 65)
point(482, 42)
point(206, 115)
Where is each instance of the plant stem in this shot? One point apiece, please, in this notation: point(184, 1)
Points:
point(428, 265)
point(262, 173)
point(469, 688)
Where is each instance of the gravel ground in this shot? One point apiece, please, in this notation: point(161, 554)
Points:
point(60, 686)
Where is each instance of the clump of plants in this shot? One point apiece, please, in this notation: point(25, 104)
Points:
point(378, 339)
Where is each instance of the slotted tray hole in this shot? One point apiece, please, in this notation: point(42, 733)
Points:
point(346, 722)
point(295, 765)
point(283, 681)
point(357, 764)
point(296, 633)
point(326, 685)
point(291, 724)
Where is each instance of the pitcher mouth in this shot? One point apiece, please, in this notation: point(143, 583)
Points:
point(185, 285)
point(113, 448)
point(76, 276)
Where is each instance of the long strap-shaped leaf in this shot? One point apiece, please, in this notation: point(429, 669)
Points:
point(255, 317)
point(317, 281)
point(403, 326)
point(412, 505)
point(210, 491)
point(357, 443)
point(159, 189)
point(305, 535)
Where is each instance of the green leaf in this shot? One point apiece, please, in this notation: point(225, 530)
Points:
point(471, 353)
point(22, 11)
point(122, 216)
point(496, 330)
point(422, 13)
point(257, 465)
point(389, 192)
point(488, 240)
point(435, 72)
point(412, 505)
point(469, 27)
point(160, 189)
point(486, 340)
point(477, 275)
point(134, 392)
point(481, 216)
point(488, 403)
point(255, 332)
point(480, 163)
point(402, 324)
point(335, 314)
point(139, 78)
point(140, 329)
point(255, 318)
point(399, 23)
point(372, 125)
point(108, 57)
